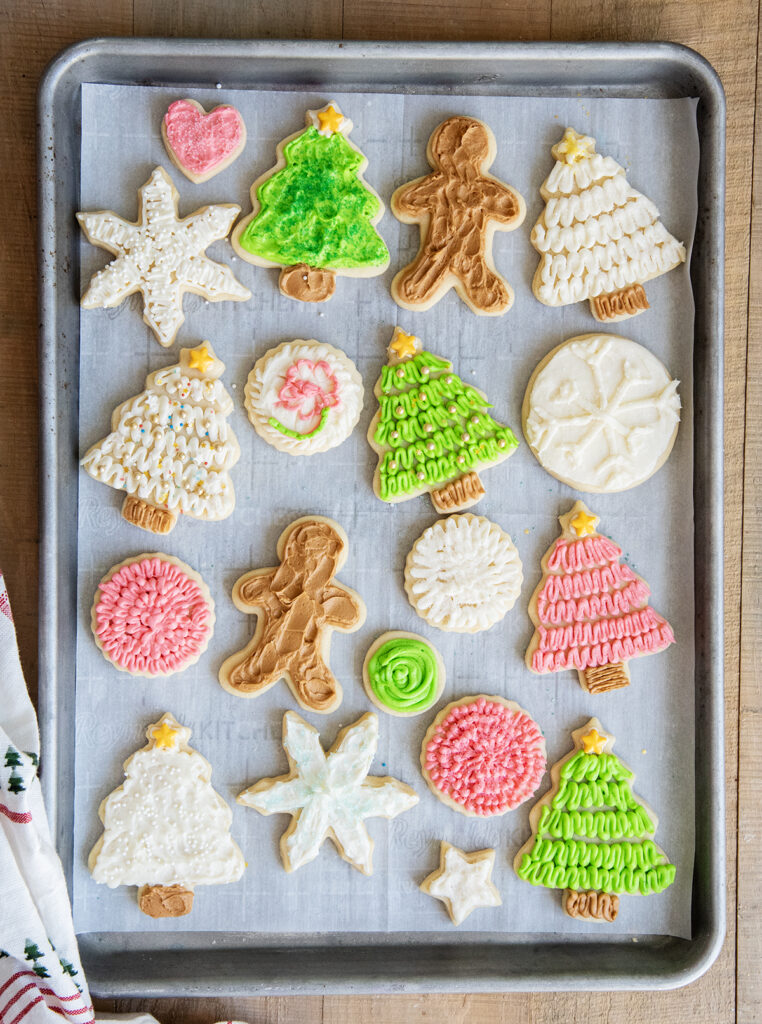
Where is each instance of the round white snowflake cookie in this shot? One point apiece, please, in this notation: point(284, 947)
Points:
point(463, 574)
point(601, 413)
point(304, 397)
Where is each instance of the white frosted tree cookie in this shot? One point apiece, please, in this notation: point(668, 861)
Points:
point(463, 574)
point(304, 397)
point(161, 256)
point(403, 673)
point(598, 238)
point(171, 447)
point(313, 213)
point(329, 794)
point(463, 881)
point(165, 828)
point(601, 413)
point(457, 208)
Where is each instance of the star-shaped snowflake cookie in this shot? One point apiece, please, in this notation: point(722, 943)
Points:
point(161, 256)
point(329, 794)
point(463, 881)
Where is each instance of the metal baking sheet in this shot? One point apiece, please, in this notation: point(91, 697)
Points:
point(102, 946)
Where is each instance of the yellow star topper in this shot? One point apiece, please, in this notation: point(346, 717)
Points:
point(584, 523)
point(573, 147)
point(594, 742)
point(164, 736)
point(199, 359)
point(331, 120)
point(404, 346)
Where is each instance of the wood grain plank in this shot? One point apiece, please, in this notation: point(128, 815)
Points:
point(239, 19)
point(446, 19)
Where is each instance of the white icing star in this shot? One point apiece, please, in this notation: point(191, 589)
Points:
point(329, 795)
point(463, 881)
point(161, 256)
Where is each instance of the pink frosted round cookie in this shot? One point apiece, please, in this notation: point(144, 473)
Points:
point(200, 144)
point(152, 616)
point(483, 755)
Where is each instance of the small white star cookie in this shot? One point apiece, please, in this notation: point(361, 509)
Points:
point(463, 881)
point(161, 256)
point(329, 794)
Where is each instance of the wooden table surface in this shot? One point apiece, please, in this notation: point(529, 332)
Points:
point(726, 32)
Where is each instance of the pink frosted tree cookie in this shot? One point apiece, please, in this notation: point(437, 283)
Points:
point(152, 616)
point(483, 756)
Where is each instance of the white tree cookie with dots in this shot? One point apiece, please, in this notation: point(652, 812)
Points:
point(463, 574)
point(166, 829)
point(329, 795)
point(171, 447)
point(598, 238)
point(161, 255)
point(601, 413)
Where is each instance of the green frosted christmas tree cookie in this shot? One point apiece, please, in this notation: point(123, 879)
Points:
point(313, 214)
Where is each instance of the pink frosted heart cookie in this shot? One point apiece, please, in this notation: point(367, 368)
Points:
point(152, 616)
point(200, 144)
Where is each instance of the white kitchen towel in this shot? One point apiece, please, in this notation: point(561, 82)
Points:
point(41, 977)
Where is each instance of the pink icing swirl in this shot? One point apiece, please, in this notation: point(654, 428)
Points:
point(486, 757)
point(200, 141)
point(309, 388)
point(572, 555)
point(151, 618)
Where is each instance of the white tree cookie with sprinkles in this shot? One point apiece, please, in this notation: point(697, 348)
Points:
point(161, 255)
point(152, 615)
point(171, 447)
point(304, 397)
point(463, 574)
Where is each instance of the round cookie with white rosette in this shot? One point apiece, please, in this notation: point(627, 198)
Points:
point(304, 397)
point(463, 574)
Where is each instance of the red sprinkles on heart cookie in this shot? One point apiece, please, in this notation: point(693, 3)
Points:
point(200, 144)
point(152, 615)
point(483, 755)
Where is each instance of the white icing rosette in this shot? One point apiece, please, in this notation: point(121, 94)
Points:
point(463, 574)
point(304, 397)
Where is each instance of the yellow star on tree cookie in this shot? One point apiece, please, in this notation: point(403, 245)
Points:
point(164, 735)
point(331, 120)
point(199, 359)
point(404, 346)
point(593, 742)
point(573, 147)
point(584, 523)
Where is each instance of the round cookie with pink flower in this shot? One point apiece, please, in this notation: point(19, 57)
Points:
point(304, 397)
point(152, 615)
point(483, 756)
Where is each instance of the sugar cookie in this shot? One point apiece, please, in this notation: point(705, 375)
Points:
point(403, 673)
point(202, 144)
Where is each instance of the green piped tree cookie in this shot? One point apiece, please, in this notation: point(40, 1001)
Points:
point(432, 432)
point(313, 214)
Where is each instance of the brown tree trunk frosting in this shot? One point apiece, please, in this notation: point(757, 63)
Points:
point(307, 284)
point(606, 677)
point(626, 302)
point(147, 517)
point(591, 906)
point(458, 494)
point(165, 900)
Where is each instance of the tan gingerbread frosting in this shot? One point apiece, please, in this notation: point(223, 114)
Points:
point(298, 605)
point(458, 209)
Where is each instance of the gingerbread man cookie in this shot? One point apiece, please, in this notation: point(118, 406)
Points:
point(298, 604)
point(458, 208)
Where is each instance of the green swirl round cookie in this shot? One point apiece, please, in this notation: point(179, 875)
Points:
point(403, 674)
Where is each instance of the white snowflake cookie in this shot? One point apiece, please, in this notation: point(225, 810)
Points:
point(329, 794)
point(161, 256)
point(304, 397)
point(463, 574)
point(601, 413)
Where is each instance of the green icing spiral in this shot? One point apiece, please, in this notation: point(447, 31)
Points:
point(404, 675)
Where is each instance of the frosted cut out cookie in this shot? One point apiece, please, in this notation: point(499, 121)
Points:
point(165, 828)
point(152, 615)
point(313, 213)
point(403, 674)
point(591, 835)
point(590, 612)
point(304, 397)
point(463, 574)
point(329, 795)
point(432, 432)
point(463, 881)
point(601, 413)
point(598, 238)
point(202, 144)
point(161, 256)
point(483, 756)
point(298, 604)
point(458, 208)
point(170, 447)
